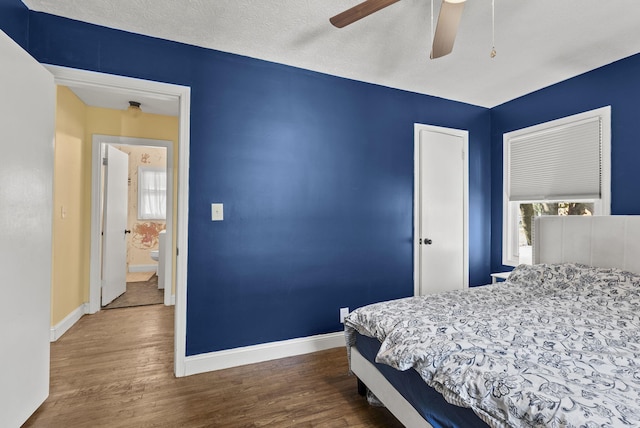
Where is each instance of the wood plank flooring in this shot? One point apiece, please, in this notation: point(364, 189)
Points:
point(139, 293)
point(115, 369)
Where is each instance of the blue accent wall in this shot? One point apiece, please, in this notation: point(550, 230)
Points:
point(315, 172)
point(14, 20)
point(617, 85)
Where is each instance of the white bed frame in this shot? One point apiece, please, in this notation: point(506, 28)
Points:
point(385, 392)
point(607, 241)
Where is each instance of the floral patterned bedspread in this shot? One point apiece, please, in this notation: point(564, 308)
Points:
point(553, 346)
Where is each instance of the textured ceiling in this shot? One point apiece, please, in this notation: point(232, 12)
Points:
point(119, 100)
point(539, 42)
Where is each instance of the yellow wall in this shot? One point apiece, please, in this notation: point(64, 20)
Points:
point(75, 125)
point(69, 275)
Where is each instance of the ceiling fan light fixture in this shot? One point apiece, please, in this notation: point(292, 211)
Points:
point(134, 109)
point(446, 29)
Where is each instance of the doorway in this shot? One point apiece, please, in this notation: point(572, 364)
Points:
point(111, 84)
point(441, 261)
point(136, 259)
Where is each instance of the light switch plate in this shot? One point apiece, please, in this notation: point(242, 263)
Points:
point(217, 212)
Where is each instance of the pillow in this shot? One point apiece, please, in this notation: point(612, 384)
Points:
point(574, 274)
point(562, 275)
point(526, 275)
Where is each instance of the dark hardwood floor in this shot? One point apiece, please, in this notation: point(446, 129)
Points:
point(115, 369)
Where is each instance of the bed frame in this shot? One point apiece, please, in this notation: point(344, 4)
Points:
point(607, 241)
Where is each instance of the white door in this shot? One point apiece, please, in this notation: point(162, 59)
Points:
point(114, 242)
point(27, 108)
point(441, 209)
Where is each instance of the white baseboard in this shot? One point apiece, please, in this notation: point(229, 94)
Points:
point(61, 328)
point(171, 301)
point(264, 352)
point(143, 268)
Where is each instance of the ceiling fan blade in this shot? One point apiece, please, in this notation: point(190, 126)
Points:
point(359, 11)
point(447, 27)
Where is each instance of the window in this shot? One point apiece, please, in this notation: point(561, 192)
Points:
point(560, 167)
point(152, 193)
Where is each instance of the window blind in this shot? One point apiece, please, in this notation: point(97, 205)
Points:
point(558, 163)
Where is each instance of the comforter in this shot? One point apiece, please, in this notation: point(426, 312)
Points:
point(553, 346)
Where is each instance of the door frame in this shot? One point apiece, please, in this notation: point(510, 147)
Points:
point(417, 127)
point(98, 144)
point(182, 94)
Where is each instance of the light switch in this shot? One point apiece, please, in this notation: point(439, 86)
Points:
point(217, 213)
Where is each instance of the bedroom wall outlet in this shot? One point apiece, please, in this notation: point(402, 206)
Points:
point(343, 313)
point(217, 213)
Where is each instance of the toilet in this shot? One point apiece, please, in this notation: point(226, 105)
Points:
point(158, 255)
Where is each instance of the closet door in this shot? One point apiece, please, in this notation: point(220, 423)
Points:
point(27, 108)
point(441, 261)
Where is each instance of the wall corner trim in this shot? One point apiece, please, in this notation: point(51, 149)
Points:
point(259, 353)
point(61, 328)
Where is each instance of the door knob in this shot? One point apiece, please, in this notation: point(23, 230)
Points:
point(127, 231)
point(428, 241)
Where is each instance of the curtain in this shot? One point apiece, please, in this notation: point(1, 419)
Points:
point(152, 193)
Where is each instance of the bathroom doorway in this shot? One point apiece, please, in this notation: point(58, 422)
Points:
point(135, 261)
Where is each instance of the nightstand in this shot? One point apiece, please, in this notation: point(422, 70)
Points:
point(499, 275)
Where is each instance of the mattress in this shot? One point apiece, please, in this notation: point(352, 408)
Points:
point(427, 401)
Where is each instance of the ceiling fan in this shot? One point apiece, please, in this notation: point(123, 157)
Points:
point(446, 28)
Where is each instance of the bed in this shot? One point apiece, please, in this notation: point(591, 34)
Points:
point(557, 344)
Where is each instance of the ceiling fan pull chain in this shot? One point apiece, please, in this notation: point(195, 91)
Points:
point(493, 29)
